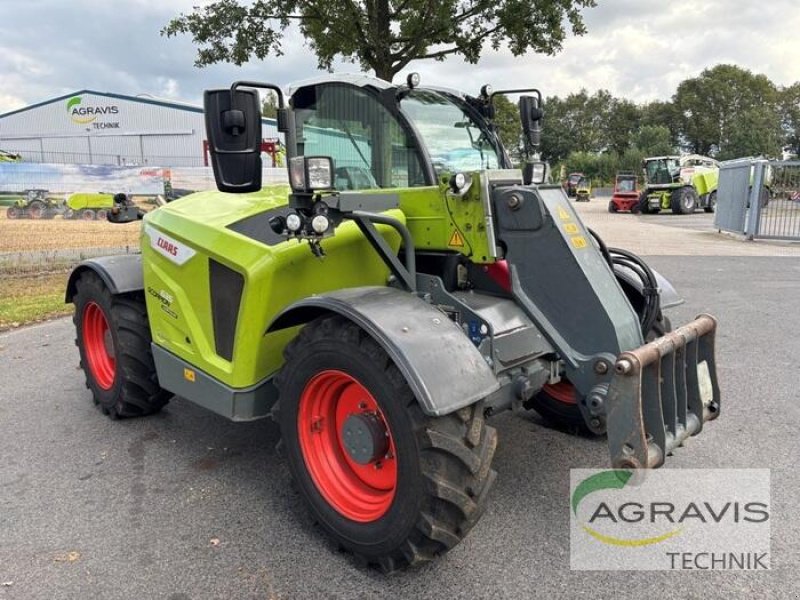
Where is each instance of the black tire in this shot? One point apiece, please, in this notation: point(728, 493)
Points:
point(712, 202)
point(612, 208)
point(12, 212)
point(644, 207)
point(763, 197)
point(87, 214)
point(684, 200)
point(102, 214)
point(443, 463)
point(135, 391)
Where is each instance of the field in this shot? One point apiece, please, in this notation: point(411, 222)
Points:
point(29, 235)
point(36, 256)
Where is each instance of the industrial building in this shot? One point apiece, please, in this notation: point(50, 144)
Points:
point(101, 128)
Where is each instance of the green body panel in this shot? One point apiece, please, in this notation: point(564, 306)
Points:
point(440, 220)
point(81, 200)
point(705, 182)
point(179, 295)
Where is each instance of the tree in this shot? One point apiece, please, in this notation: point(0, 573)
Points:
point(383, 35)
point(712, 107)
point(789, 107)
point(269, 105)
point(509, 128)
point(653, 140)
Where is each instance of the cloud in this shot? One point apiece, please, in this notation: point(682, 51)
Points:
point(639, 50)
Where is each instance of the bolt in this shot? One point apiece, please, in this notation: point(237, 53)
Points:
point(600, 367)
point(317, 424)
point(514, 201)
point(623, 366)
point(595, 422)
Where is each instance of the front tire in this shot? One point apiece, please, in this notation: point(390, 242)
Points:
point(684, 200)
point(113, 337)
point(397, 504)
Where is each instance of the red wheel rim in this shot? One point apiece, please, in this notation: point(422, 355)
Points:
point(360, 492)
point(99, 346)
point(563, 391)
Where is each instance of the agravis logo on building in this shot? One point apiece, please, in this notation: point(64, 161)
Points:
point(84, 114)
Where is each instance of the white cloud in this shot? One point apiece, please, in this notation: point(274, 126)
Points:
point(637, 49)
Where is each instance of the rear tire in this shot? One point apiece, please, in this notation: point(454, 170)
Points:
point(12, 212)
point(113, 337)
point(102, 215)
point(436, 470)
point(712, 202)
point(684, 200)
point(612, 208)
point(87, 214)
point(644, 206)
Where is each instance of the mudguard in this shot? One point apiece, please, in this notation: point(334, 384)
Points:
point(442, 366)
point(669, 296)
point(121, 274)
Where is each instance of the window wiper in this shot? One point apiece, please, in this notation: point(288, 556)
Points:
point(355, 145)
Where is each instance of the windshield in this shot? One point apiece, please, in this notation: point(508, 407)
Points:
point(662, 170)
point(455, 140)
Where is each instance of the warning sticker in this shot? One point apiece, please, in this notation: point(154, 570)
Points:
point(563, 214)
point(188, 374)
point(456, 239)
point(578, 241)
point(571, 228)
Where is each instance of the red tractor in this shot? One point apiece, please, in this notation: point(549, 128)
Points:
point(626, 194)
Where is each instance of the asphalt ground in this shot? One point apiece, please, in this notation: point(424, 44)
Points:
point(186, 505)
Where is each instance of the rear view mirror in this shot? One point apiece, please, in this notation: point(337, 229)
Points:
point(233, 126)
point(530, 114)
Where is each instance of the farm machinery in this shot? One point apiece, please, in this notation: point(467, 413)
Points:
point(34, 204)
point(385, 304)
point(40, 204)
point(625, 197)
point(679, 183)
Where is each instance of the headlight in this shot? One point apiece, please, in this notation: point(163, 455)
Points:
point(320, 224)
point(320, 172)
point(293, 222)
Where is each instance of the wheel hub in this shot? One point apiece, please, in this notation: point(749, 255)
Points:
point(364, 438)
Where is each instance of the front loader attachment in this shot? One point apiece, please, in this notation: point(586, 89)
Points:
point(661, 394)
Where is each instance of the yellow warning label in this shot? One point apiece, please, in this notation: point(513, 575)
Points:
point(563, 214)
point(571, 228)
point(189, 375)
point(456, 239)
point(578, 241)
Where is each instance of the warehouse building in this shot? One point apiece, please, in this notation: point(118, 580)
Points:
point(100, 128)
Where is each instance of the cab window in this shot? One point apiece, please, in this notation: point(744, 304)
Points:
point(369, 147)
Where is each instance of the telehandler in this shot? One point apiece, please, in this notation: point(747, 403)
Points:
point(407, 285)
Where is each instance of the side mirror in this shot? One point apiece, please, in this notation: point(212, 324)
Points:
point(530, 114)
point(233, 126)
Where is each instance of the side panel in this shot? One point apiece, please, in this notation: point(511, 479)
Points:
point(444, 369)
point(190, 307)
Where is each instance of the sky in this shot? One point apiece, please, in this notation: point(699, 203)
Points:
point(637, 49)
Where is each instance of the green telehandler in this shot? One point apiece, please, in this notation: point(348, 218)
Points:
point(404, 287)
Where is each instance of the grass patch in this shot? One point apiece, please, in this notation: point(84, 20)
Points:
point(28, 299)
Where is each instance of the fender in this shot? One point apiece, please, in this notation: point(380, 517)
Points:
point(442, 366)
point(669, 296)
point(121, 274)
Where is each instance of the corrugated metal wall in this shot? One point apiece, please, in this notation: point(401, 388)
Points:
point(91, 128)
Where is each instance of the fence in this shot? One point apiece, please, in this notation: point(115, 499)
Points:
point(760, 199)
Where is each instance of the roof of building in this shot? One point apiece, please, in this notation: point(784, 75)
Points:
point(142, 99)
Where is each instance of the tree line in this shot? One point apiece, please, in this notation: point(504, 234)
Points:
point(726, 112)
